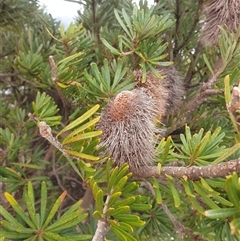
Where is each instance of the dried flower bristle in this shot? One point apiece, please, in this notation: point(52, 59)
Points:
point(128, 129)
point(220, 13)
point(167, 93)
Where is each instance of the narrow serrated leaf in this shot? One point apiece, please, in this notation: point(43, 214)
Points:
point(119, 210)
point(81, 155)
point(80, 119)
point(30, 203)
point(114, 197)
point(221, 213)
point(208, 64)
point(82, 136)
point(16, 228)
point(122, 234)
point(82, 128)
point(54, 209)
point(99, 200)
point(18, 209)
point(175, 194)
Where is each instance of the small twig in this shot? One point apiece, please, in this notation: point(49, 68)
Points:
point(87, 199)
point(46, 132)
point(206, 90)
point(74, 180)
point(180, 229)
point(15, 74)
point(193, 64)
point(6, 54)
point(126, 53)
point(102, 224)
point(134, 56)
point(190, 32)
point(55, 80)
point(212, 81)
point(53, 69)
point(9, 74)
point(55, 173)
point(210, 92)
point(177, 16)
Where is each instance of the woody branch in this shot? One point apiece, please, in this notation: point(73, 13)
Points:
point(193, 173)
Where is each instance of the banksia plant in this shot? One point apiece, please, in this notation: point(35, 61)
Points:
point(220, 13)
point(167, 93)
point(128, 129)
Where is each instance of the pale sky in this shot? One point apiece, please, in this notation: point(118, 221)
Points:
point(63, 10)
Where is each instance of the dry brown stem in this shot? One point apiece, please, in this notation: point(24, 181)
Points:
point(193, 172)
point(192, 105)
point(46, 132)
point(55, 80)
point(179, 228)
point(102, 224)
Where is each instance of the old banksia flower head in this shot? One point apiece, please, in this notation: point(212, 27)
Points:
point(128, 120)
point(128, 129)
point(220, 12)
point(167, 93)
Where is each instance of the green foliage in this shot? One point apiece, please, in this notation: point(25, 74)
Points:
point(120, 202)
point(30, 63)
point(198, 149)
point(233, 190)
point(79, 138)
point(66, 75)
point(142, 38)
point(38, 224)
point(12, 13)
point(227, 93)
point(45, 109)
point(104, 84)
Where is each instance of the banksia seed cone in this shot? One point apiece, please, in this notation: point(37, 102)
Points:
point(220, 12)
point(167, 93)
point(127, 121)
point(128, 129)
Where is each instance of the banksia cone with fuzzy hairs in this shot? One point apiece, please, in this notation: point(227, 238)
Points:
point(128, 129)
point(167, 93)
point(127, 122)
point(220, 12)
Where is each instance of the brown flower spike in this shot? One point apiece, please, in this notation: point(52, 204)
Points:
point(167, 93)
point(128, 120)
point(220, 13)
point(128, 129)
